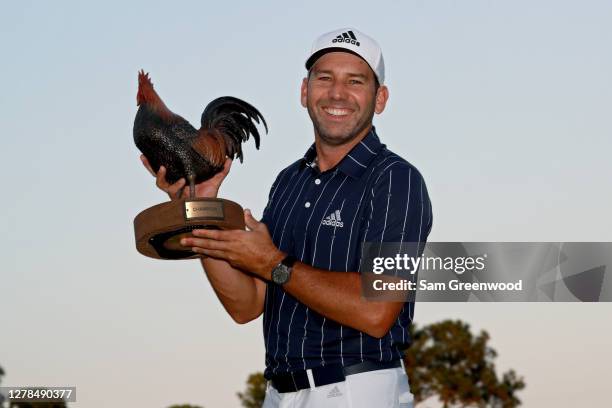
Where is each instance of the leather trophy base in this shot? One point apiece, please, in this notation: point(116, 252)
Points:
point(159, 229)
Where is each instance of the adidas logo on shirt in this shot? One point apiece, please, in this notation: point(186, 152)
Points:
point(333, 220)
point(346, 37)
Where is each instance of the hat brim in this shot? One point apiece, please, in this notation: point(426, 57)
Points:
point(314, 57)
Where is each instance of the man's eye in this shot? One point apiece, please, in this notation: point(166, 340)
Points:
point(355, 82)
point(324, 78)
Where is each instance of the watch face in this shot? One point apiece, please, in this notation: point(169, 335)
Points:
point(280, 274)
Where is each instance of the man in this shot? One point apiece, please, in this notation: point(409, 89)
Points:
point(326, 346)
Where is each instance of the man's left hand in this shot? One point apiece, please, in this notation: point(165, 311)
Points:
point(251, 250)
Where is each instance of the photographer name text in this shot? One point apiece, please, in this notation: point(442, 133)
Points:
point(455, 285)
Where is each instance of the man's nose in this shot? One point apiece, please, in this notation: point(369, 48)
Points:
point(337, 90)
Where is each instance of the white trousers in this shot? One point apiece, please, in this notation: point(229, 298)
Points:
point(373, 389)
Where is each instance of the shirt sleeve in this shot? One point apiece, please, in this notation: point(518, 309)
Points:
point(400, 210)
point(399, 217)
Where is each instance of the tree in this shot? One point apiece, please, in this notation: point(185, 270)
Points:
point(255, 392)
point(447, 361)
point(1, 396)
point(184, 406)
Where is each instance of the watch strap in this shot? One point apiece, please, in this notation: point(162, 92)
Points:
point(289, 261)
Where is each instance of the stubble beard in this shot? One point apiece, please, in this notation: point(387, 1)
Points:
point(340, 138)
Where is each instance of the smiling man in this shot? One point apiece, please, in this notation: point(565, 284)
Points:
point(326, 346)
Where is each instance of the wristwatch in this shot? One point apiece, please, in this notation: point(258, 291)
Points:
point(282, 272)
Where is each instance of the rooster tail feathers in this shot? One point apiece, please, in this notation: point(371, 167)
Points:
point(233, 118)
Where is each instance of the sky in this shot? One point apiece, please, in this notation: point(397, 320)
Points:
point(502, 105)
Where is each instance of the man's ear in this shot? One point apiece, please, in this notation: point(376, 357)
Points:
point(304, 91)
point(382, 96)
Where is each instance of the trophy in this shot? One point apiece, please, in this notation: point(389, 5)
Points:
point(167, 139)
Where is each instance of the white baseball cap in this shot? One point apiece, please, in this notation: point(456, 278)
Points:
point(353, 41)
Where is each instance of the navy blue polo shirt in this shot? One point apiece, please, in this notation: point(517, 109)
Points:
point(372, 195)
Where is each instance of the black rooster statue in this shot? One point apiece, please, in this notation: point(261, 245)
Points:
point(167, 139)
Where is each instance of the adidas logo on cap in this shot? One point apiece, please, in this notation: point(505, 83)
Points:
point(333, 220)
point(346, 37)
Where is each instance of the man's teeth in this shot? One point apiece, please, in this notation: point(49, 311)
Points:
point(337, 112)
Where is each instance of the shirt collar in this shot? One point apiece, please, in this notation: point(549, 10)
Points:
point(357, 160)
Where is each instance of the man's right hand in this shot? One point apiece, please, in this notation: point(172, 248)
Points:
point(242, 295)
point(205, 189)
